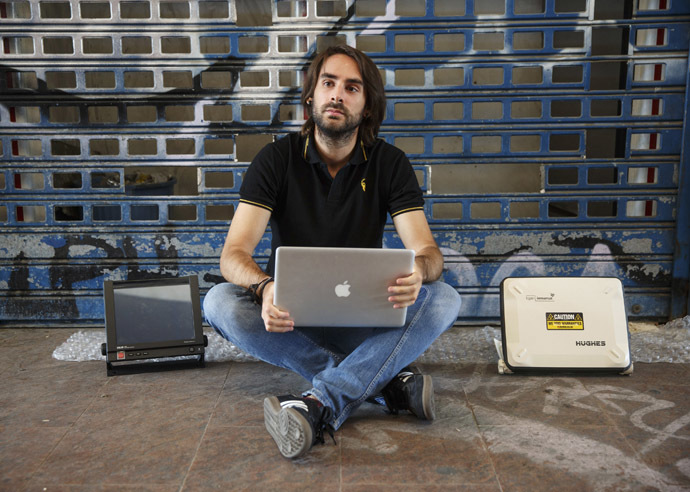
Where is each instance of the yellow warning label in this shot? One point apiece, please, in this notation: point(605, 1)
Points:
point(565, 321)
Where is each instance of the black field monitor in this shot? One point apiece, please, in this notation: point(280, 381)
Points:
point(150, 319)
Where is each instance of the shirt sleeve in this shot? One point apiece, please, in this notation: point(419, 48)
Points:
point(263, 178)
point(405, 194)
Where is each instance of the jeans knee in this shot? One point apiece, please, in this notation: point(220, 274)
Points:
point(451, 296)
point(445, 299)
point(215, 300)
point(231, 313)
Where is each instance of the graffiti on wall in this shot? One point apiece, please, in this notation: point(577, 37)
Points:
point(135, 257)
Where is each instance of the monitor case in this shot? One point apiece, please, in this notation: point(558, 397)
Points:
point(123, 360)
point(564, 324)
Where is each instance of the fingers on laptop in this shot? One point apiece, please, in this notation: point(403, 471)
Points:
point(276, 320)
point(403, 296)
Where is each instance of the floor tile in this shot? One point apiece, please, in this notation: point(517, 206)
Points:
point(246, 386)
point(379, 448)
point(50, 486)
point(151, 406)
point(560, 400)
point(390, 452)
point(643, 374)
point(534, 455)
point(22, 450)
point(29, 350)
point(655, 420)
point(378, 487)
point(157, 451)
point(247, 458)
point(54, 396)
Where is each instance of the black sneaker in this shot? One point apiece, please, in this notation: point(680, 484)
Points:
point(413, 391)
point(296, 423)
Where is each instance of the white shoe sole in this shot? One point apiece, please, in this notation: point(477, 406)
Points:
point(288, 428)
point(428, 403)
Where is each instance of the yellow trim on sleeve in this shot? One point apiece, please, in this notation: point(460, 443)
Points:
point(306, 144)
point(406, 210)
point(257, 204)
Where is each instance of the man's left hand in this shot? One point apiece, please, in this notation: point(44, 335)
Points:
point(405, 291)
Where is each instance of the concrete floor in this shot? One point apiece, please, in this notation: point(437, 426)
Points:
point(65, 426)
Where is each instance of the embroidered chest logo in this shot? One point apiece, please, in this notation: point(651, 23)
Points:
point(363, 184)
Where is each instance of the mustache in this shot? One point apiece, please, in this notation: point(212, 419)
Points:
point(338, 106)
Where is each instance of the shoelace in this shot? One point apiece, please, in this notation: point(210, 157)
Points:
point(404, 376)
point(326, 415)
point(395, 398)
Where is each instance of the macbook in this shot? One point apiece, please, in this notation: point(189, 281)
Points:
point(346, 287)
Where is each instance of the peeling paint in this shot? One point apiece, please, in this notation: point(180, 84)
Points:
point(81, 250)
point(637, 246)
point(539, 243)
point(13, 244)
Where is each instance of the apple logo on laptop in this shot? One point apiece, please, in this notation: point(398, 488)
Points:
point(342, 290)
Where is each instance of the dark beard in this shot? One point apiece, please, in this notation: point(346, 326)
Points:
point(336, 135)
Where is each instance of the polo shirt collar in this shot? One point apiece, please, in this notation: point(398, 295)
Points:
point(312, 156)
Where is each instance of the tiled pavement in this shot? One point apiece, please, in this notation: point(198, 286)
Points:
point(65, 426)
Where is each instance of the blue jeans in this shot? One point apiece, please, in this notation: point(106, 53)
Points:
point(346, 366)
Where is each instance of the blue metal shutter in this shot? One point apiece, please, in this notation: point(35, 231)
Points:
point(549, 137)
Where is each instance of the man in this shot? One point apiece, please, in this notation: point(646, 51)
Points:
point(333, 184)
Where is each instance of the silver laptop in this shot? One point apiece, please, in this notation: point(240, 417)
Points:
point(340, 286)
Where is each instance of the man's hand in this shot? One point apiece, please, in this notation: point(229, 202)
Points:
point(405, 291)
point(275, 320)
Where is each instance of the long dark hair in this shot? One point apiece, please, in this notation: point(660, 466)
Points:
point(374, 93)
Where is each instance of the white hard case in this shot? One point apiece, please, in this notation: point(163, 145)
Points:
point(564, 323)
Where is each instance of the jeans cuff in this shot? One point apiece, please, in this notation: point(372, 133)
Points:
point(322, 399)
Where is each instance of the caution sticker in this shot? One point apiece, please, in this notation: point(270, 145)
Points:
point(565, 321)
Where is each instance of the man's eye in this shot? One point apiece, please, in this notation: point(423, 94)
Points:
point(353, 89)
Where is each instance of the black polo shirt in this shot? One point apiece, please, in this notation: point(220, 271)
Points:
point(310, 208)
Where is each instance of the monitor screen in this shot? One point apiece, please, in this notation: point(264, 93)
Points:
point(153, 313)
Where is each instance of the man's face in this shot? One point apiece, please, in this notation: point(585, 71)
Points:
point(338, 102)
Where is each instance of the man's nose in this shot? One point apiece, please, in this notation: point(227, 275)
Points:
point(337, 95)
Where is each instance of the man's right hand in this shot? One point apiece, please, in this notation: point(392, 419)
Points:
point(275, 320)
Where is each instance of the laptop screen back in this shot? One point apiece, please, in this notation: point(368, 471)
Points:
point(344, 287)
